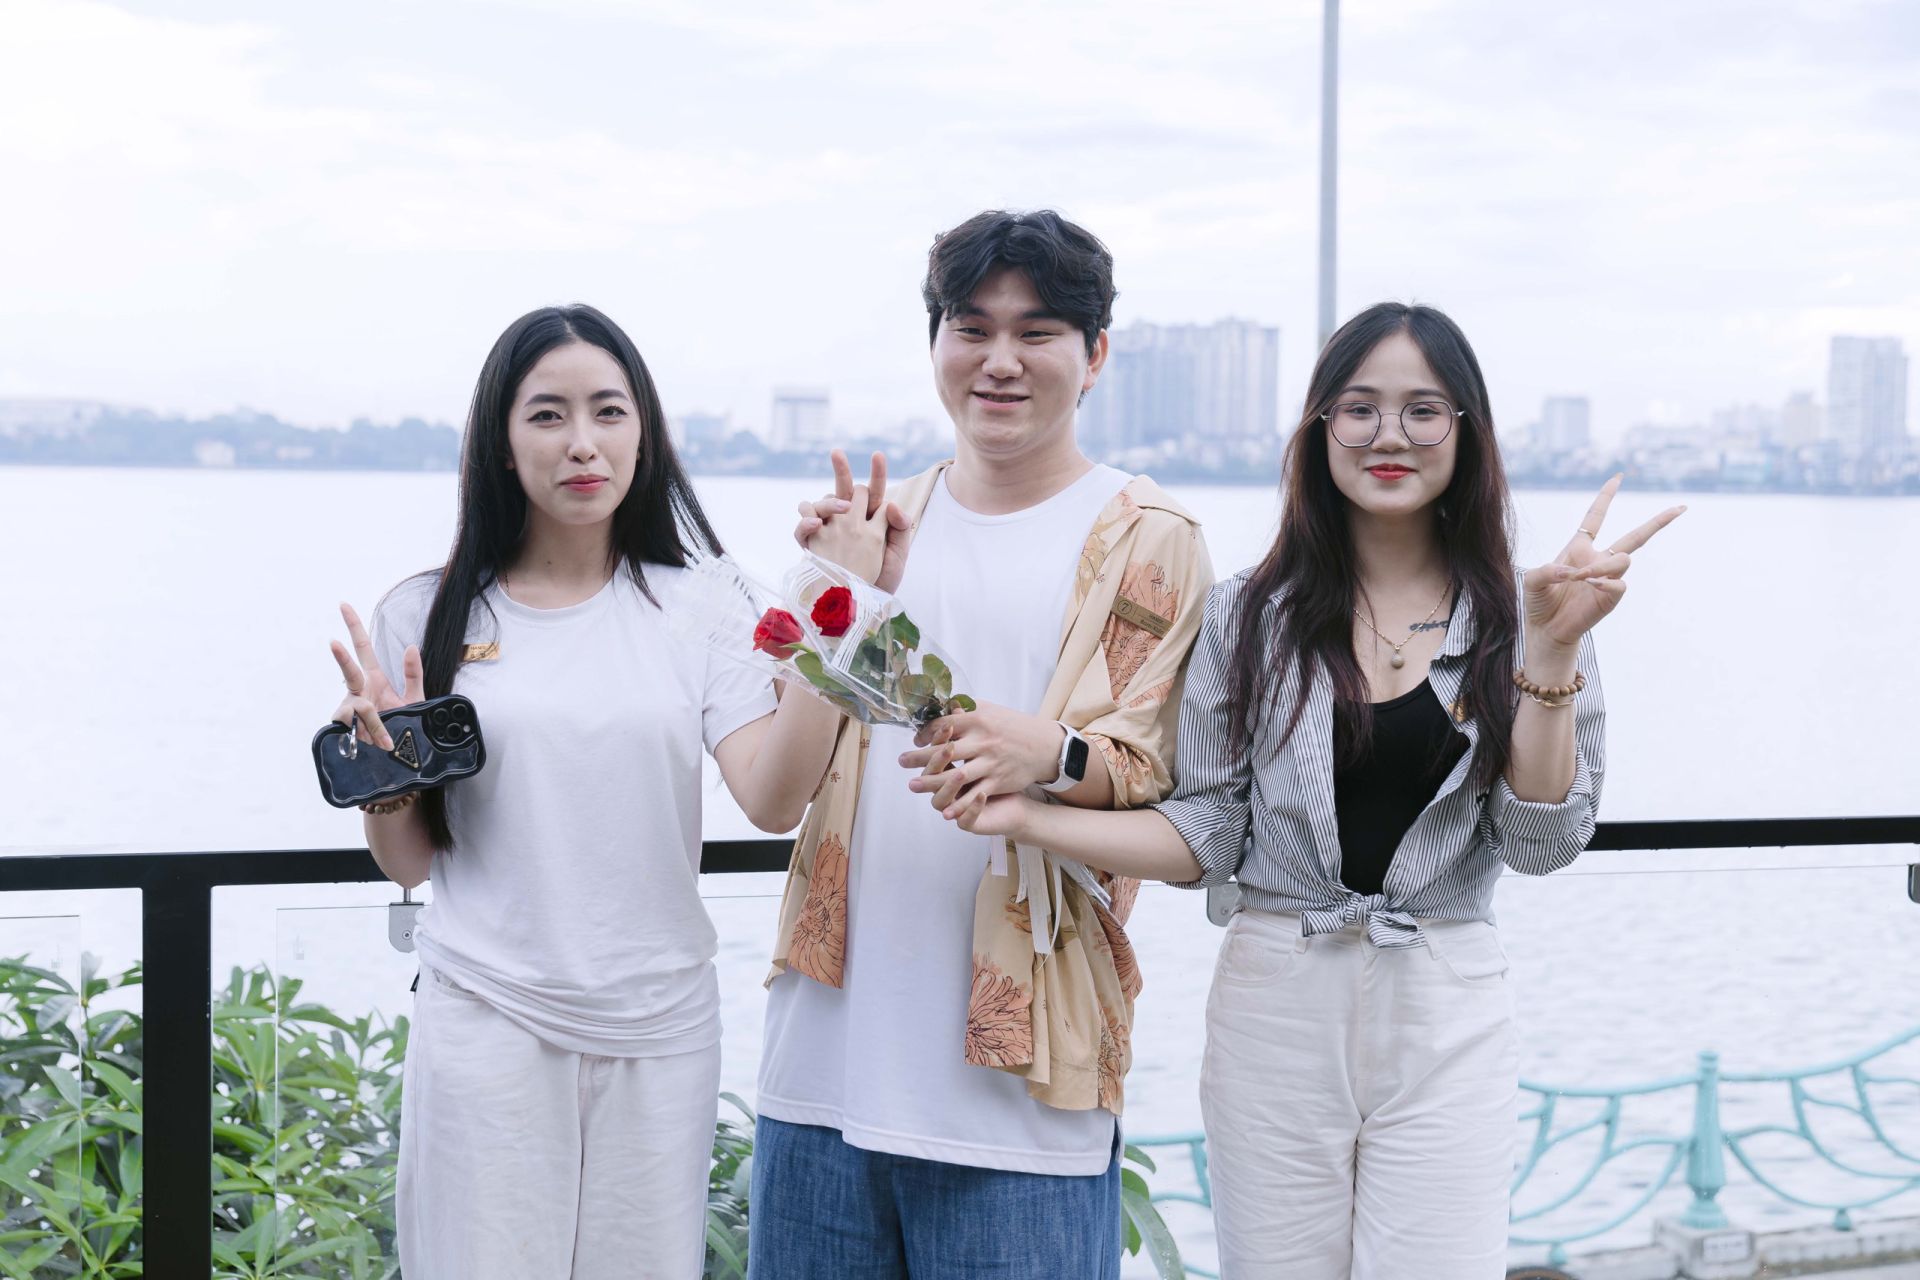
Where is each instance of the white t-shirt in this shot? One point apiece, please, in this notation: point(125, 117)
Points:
point(570, 901)
point(882, 1059)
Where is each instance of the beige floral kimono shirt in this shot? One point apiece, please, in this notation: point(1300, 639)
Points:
point(1054, 976)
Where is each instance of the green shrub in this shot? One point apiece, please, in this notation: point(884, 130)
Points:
point(70, 1176)
point(306, 1112)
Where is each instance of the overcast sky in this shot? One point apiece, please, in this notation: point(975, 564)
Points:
point(330, 210)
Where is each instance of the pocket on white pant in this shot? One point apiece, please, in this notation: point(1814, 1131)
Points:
point(1470, 951)
point(447, 986)
point(1259, 948)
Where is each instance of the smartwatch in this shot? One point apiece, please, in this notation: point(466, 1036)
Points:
point(1073, 762)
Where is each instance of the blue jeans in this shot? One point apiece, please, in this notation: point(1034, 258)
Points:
point(825, 1210)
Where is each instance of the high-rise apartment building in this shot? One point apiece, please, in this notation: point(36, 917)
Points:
point(1170, 382)
point(802, 418)
point(1566, 424)
point(702, 430)
point(1867, 394)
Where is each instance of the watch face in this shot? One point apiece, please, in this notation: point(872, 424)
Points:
point(1076, 765)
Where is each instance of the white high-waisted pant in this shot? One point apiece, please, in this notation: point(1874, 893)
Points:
point(1360, 1103)
point(519, 1160)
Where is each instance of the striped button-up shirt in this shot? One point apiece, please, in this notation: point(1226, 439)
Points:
point(1267, 818)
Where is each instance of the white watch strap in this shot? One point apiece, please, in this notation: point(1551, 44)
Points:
point(1061, 782)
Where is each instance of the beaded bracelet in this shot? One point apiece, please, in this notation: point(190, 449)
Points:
point(395, 805)
point(1559, 695)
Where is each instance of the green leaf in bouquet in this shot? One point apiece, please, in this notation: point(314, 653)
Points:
point(905, 631)
point(915, 691)
point(961, 702)
point(815, 671)
point(830, 685)
point(938, 672)
point(870, 661)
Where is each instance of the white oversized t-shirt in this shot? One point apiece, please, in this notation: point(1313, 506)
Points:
point(570, 901)
point(882, 1059)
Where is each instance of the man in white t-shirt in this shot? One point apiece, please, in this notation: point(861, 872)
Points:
point(947, 1027)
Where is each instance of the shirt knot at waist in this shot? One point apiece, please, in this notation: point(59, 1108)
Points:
point(1385, 928)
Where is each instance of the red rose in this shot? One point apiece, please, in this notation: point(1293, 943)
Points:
point(779, 633)
point(833, 611)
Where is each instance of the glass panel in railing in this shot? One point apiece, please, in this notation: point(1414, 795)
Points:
point(309, 1051)
point(70, 1159)
point(745, 910)
point(1175, 947)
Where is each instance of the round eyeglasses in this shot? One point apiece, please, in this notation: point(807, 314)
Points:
point(1356, 423)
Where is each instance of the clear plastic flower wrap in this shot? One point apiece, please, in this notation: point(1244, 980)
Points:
point(827, 632)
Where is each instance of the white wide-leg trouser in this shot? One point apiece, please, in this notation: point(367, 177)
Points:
point(519, 1160)
point(1360, 1103)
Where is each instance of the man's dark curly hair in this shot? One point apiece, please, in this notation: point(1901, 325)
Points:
point(1070, 269)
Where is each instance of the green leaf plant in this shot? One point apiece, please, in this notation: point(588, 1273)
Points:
point(306, 1122)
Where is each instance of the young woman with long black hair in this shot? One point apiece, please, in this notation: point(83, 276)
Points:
point(563, 1068)
point(1378, 718)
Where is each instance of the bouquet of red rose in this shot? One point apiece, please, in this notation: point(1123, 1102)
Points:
point(837, 637)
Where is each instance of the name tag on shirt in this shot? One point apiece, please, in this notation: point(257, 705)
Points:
point(480, 652)
point(1140, 616)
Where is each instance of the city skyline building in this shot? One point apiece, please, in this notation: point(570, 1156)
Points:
point(701, 429)
point(1867, 393)
point(1166, 383)
point(802, 418)
point(1749, 421)
point(1800, 420)
point(1566, 423)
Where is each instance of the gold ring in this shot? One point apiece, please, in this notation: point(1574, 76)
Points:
point(1583, 529)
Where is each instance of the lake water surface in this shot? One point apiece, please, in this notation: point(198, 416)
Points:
point(163, 662)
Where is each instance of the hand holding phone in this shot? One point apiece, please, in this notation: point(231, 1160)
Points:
point(434, 742)
point(385, 742)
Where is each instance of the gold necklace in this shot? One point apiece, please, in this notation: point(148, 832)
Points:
point(1398, 659)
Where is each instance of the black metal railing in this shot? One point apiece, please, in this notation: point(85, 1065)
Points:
point(177, 950)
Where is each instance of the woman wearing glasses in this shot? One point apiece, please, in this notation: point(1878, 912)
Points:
point(1379, 717)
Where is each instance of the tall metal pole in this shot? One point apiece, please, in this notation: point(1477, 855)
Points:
point(1329, 152)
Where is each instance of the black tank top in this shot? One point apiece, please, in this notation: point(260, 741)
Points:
point(1414, 748)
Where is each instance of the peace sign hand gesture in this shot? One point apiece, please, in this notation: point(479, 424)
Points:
point(856, 527)
point(1568, 595)
point(369, 692)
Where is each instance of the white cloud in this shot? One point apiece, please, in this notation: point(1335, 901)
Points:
point(330, 211)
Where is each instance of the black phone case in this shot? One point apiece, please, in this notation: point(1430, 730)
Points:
point(434, 742)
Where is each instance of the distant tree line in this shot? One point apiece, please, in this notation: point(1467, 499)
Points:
point(144, 439)
point(244, 439)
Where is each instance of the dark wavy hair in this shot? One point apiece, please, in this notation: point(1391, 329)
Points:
point(1070, 269)
point(1296, 610)
point(659, 521)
